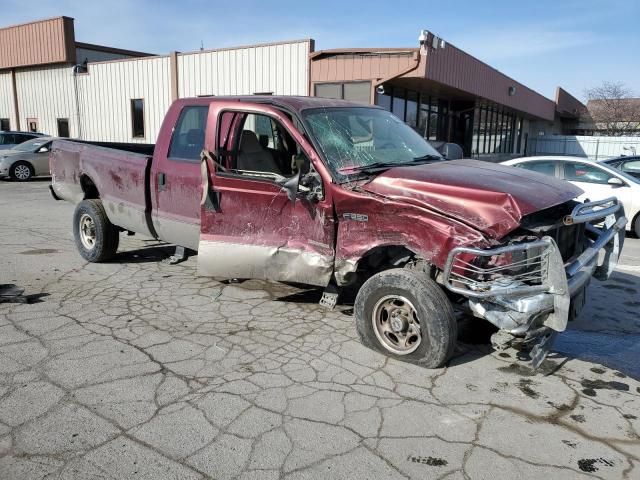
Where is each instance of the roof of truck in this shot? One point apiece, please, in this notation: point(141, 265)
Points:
point(297, 103)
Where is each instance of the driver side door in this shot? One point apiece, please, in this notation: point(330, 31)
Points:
point(250, 228)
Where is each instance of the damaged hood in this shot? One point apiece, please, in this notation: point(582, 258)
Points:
point(491, 197)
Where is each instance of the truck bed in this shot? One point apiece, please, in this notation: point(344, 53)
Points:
point(120, 172)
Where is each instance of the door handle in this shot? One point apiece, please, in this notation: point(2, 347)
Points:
point(162, 181)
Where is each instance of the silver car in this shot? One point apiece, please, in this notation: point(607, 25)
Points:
point(26, 160)
point(9, 140)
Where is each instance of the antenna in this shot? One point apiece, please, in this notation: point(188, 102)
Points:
point(201, 45)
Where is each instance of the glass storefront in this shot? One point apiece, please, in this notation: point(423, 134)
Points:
point(426, 114)
point(481, 128)
point(495, 130)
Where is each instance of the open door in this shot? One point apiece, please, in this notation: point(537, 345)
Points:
point(265, 212)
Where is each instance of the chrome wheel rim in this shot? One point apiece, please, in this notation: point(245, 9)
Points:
point(396, 324)
point(87, 231)
point(22, 172)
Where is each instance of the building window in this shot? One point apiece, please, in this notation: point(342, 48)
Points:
point(4, 124)
point(412, 109)
point(353, 91)
point(384, 99)
point(137, 117)
point(63, 127)
point(399, 103)
point(32, 124)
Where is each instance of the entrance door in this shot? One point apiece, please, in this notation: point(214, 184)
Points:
point(250, 226)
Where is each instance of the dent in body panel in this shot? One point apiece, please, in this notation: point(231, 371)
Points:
point(174, 231)
point(428, 234)
point(281, 263)
point(127, 216)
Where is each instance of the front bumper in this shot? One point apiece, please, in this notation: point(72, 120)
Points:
point(537, 288)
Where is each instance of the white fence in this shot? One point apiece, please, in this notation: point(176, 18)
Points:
point(596, 148)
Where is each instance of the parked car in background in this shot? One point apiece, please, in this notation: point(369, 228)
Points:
point(599, 180)
point(628, 165)
point(29, 159)
point(10, 139)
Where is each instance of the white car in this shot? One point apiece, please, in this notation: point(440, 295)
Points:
point(598, 180)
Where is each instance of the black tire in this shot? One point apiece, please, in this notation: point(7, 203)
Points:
point(433, 309)
point(18, 176)
point(636, 225)
point(106, 235)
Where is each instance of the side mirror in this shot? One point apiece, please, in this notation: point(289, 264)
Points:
point(43, 150)
point(290, 186)
point(615, 181)
point(311, 186)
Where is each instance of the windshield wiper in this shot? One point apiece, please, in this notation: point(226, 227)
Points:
point(379, 166)
point(429, 156)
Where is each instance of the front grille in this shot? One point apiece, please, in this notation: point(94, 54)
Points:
point(501, 271)
point(570, 240)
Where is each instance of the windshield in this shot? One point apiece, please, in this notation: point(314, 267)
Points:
point(354, 139)
point(30, 145)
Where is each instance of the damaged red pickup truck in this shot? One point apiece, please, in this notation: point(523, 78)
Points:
point(341, 195)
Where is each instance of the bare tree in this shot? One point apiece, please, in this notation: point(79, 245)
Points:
point(612, 109)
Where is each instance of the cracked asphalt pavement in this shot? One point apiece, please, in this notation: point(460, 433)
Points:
point(140, 369)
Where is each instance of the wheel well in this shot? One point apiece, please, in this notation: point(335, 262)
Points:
point(633, 222)
point(27, 163)
point(88, 187)
point(389, 256)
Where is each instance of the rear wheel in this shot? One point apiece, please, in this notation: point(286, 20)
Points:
point(96, 237)
point(21, 171)
point(405, 314)
point(636, 225)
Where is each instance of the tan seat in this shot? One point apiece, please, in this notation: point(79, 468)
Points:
point(253, 157)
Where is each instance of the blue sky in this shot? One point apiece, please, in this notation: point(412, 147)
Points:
point(574, 44)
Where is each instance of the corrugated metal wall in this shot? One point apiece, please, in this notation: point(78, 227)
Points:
point(105, 95)
point(46, 93)
point(6, 98)
point(595, 148)
point(35, 43)
point(105, 92)
point(346, 67)
point(280, 68)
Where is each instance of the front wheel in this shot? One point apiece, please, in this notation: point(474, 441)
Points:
point(96, 237)
point(405, 314)
point(21, 171)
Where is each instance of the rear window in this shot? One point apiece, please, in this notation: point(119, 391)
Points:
point(188, 137)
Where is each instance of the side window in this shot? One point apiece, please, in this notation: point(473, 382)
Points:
point(188, 136)
point(545, 167)
point(632, 166)
point(19, 138)
point(583, 172)
point(264, 148)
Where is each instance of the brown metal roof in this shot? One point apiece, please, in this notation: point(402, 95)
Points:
point(120, 51)
point(448, 70)
point(37, 43)
point(567, 105)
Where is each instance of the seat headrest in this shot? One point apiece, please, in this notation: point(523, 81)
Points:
point(249, 142)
